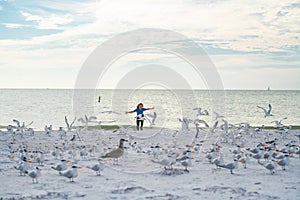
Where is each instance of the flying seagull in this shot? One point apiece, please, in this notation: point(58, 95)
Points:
point(152, 120)
point(267, 112)
point(69, 126)
point(278, 123)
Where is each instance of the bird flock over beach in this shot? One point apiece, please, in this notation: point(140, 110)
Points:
point(219, 146)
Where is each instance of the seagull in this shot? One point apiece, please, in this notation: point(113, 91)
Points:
point(56, 152)
point(62, 166)
point(243, 159)
point(297, 151)
point(217, 116)
point(47, 129)
point(69, 126)
point(22, 167)
point(200, 121)
point(230, 166)
point(110, 112)
point(218, 160)
point(278, 123)
point(185, 161)
point(41, 158)
point(116, 153)
point(214, 127)
point(19, 127)
point(71, 174)
point(108, 121)
point(9, 128)
point(258, 156)
point(197, 122)
point(83, 152)
point(185, 123)
point(201, 112)
point(17, 122)
point(34, 174)
point(87, 119)
point(267, 112)
point(73, 138)
point(153, 118)
point(237, 150)
point(270, 166)
point(166, 162)
point(97, 167)
point(283, 162)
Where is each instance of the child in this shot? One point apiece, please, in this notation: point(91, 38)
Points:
point(140, 115)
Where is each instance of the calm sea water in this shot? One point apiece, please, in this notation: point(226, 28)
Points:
point(49, 106)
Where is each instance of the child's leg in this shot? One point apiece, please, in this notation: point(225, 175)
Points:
point(137, 124)
point(142, 123)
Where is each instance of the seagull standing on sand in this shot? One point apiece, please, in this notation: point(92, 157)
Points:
point(185, 161)
point(97, 167)
point(22, 167)
point(267, 112)
point(34, 174)
point(230, 166)
point(258, 155)
point(218, 160)
point(83, 152)
point(116, 153)
point(166, 162)
point(41, 158)
point(283, 162)
point(71, 174)
point(62, 166)
point(10, 129)
point(269, 165)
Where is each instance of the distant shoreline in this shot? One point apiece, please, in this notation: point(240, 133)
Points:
point(113, 127)
point(271, 90)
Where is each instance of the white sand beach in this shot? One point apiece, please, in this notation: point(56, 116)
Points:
point(136, 176)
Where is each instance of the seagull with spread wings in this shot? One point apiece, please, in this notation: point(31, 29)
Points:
point(151, 119)
point(69, 126)
point(267, 112)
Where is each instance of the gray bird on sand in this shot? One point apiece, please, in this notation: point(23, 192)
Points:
point(116, 153)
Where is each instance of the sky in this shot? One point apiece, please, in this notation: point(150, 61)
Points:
point(253, 44)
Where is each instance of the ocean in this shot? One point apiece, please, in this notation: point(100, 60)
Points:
point(50, 106)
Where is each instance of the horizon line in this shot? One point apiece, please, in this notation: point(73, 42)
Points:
point(204, 89)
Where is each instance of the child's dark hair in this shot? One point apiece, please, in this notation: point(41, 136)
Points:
point(139, 105)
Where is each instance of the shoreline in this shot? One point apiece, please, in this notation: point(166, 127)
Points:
point(112, 127)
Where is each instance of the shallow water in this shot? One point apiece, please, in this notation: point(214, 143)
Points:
point(49, 106)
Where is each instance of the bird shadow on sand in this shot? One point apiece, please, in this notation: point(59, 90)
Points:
point(173, 172)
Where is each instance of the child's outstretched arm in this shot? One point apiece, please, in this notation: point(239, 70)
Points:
point(150, 108)
point(129, 112)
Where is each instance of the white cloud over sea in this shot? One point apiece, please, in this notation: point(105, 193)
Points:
point(253, 44)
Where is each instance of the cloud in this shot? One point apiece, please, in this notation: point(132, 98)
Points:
point(13, 25)
point(231, 25)
point(239, 36)
point(52, 21)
